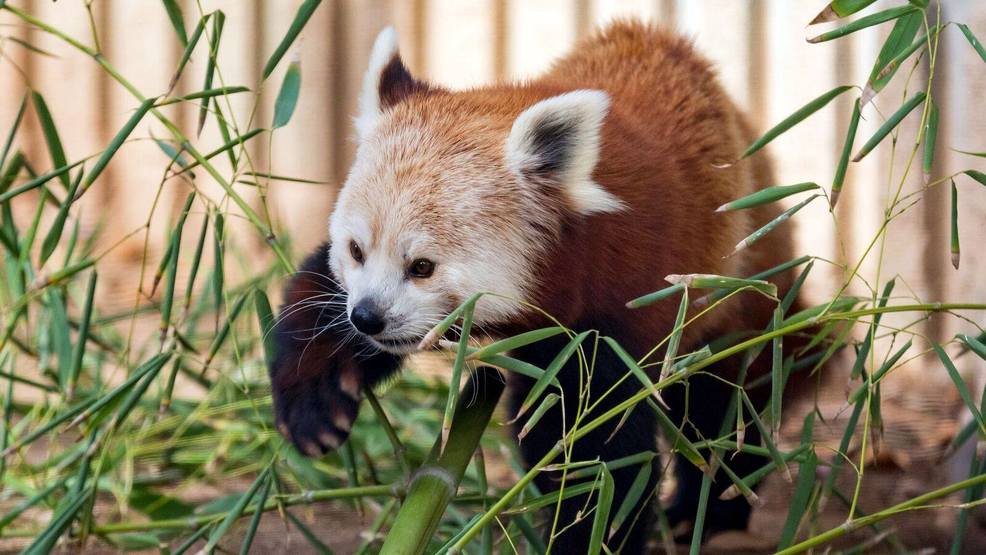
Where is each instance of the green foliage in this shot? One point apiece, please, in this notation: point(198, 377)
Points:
point(191, 404)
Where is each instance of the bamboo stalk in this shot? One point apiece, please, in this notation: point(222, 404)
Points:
point(435, 483)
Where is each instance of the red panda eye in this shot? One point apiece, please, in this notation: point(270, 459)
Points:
point(356, 252)
point(422, 268)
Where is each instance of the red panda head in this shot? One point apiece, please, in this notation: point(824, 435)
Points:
point(454, 193)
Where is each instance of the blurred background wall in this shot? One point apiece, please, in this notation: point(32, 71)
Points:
point(759, 47)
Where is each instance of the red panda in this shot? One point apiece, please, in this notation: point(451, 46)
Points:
point(573, 192)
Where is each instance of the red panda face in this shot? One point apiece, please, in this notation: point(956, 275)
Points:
point(453, 194)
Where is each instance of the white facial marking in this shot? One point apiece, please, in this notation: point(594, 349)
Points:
point(384, 50)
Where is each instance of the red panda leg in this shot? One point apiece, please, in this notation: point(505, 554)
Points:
point(637, 434)
point(320, 365)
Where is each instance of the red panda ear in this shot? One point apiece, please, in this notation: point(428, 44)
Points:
point(557, 141)
point(385, 83)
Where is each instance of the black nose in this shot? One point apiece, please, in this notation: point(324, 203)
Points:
point(367, 318)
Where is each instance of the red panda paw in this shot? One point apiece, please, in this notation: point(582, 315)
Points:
point(317, 414)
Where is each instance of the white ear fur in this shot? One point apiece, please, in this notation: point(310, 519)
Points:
point(384, 50)
point(575, 119)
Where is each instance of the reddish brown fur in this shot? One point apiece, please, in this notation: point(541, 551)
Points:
point(669, 131)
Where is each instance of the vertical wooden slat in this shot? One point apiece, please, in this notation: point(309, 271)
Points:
point(135, 46)
point(355, 26)
point(303, 147)
point(604, 11)
point(540, 32)
point(798, 72)
point(461, 42)
point(963, 127)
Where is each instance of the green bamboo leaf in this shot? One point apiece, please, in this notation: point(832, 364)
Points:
point(72, 412)
point(220, 338)
point(798, 505)
point(864, 22)
point(956, 378)
point(117, 142)
point(794, 119)
point(977, 175)
point(287, 98)
point(172, 153)
point(234, 514)
point(218, 22)
point(106, 403)
point(439, 330)
point(792, 293)
point(169, 259)
point(217, 271)
point(265, 316)
point(515, 342)
point(36, 498)
point(12, 133)
point(751, 497)
point(615, 464)
point(975, 345)
point(550, 373)
point(553, 497)
point(30, 46)
point(515, 365)
point(309, 536)
point(770, 272)
point(864, 350)
point(168, 296)
point(44, 543)
point(840, 8)
point(637, 490)
point(766, 196)
point(83, 336)
point(457, 366)
point(710, 281)
point(973, 41)
point(776, 375)
point(956, 251)
point(677, 439)
point(196, 261)
point(752, 479)
point(549, 401)
point(258, 513)
point(36, 182)
point(177, 20)
point(900, 40)
point(130, 401)
point(769, 226)
point(305, 12)
point(890, 125)
point(878, 375)
point(603, 506)
point(208, 93)
point(60, 276)
point(675, 339)
point(50, 132)
point(658, 295)
point(633, 367)
point(691, 358)
point(766, 437)
point(227, 147)
point(189, 48)
point(58, 224)
point(930, 139)
point(11, 171)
